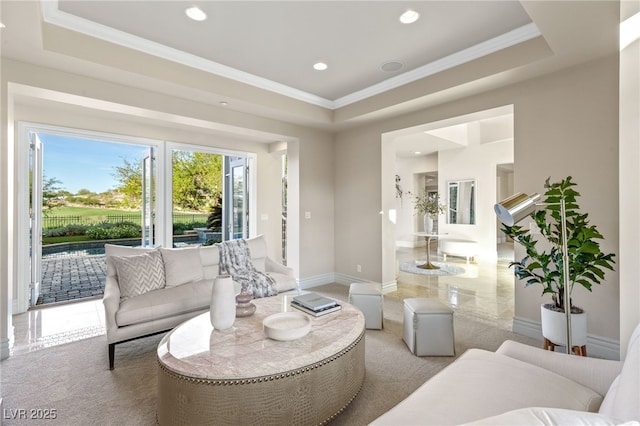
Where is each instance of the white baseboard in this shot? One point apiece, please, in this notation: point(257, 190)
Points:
point(342, 279)
point(328, 279)
point(389, 286)
point(527, 327)
point(407, 244)
point(597, 347)
point(5, 348)
point(348, 279)
point(316, 281)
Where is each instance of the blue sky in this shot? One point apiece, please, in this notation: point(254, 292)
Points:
point(85, 164)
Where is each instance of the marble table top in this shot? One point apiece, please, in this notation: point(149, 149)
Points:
point(195, 349)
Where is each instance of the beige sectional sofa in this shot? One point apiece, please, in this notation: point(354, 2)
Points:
point(148, 291)
point(523, 385)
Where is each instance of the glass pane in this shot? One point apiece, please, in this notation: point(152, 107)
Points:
point(238, 202)
point(148, 202)
point(197, 198)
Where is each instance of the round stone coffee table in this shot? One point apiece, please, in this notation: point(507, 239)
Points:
point(239, 376)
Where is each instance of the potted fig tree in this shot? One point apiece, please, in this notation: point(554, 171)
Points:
point(543, 262)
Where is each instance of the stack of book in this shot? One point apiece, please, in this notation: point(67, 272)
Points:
point(314, 304)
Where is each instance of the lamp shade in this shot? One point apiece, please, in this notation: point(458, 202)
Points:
point(515, 208)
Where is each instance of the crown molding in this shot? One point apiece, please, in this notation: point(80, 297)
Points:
point(503, 41)
point(53, 15)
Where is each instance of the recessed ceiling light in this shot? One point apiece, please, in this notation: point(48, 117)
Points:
point(224, 103)
point(320, 66)
point(2, 25)
point(409, 17)
point(196, 13)
point(391, 66)
point(417, 152)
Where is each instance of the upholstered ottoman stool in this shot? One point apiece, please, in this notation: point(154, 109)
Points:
point(428, 327)
point(368, 298)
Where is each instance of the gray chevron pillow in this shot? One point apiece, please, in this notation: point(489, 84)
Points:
point(139, 274)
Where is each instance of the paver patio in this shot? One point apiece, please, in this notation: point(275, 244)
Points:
point(67, 277)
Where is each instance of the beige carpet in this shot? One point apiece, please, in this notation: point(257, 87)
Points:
point(74, 379)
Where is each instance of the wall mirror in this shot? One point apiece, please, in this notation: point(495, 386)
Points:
point(461, 206)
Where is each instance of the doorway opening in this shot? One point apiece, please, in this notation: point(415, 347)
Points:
point(84, 192)
point(88, 189)
point(504, 189)
point(464, 150)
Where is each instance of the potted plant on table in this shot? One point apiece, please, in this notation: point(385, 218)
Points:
point(543, 262)
point(428, 204)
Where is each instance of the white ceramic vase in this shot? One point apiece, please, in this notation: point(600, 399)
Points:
point(223, 303)
point(554, 327)
point(428, 224)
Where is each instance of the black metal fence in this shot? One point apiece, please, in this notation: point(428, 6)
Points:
point(51, 222)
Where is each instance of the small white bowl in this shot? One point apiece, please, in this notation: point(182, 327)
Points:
point(287, 326)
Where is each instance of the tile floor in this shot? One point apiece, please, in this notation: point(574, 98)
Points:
point(57, 324)
point(483, 292)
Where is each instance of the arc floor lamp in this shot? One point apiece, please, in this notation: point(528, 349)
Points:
point(517, 207)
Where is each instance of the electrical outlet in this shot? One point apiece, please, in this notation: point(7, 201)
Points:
point(359, 268)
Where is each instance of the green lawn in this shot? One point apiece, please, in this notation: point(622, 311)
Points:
point(65, 239)
point(101, 212)
point(87, 211)
point(64, 217)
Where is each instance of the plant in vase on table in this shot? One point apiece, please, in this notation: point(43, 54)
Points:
point(428, 205)
point(544, 265)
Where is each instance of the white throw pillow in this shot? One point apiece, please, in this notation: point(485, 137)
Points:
point(112, 250)
point(181, 265)
point(139, 274)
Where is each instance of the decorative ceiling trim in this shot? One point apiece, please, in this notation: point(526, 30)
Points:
point(53, 15)
point(519, 35)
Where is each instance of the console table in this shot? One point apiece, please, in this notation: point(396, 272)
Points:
point(240, 376)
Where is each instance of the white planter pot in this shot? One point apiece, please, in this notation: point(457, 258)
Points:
point(223, 303)
point(554, 327)
point(428, 224)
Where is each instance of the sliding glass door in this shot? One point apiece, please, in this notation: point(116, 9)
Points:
point(121, 190)
point(148, 198)
point(35, 216)
point(196, 186)
point(236, 215)
point(210, 191)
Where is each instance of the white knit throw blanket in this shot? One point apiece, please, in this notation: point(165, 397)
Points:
point(235, 260)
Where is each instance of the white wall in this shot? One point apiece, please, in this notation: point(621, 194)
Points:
point(53, 97)
point(358, 202)
point(565, 123)
point(504, 189)
point(629, 210)
point(7, 237)
point(478, 162)
point(410, 171)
